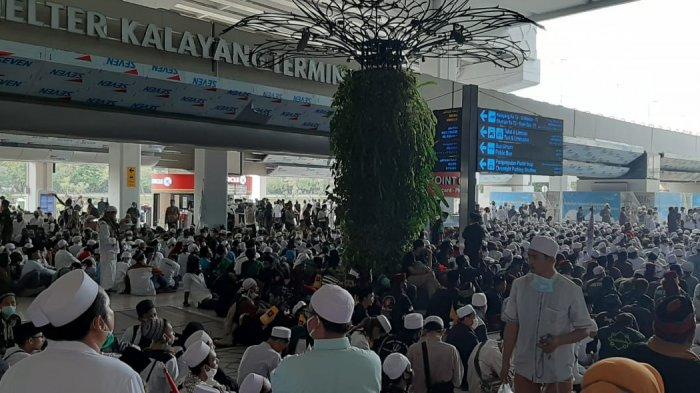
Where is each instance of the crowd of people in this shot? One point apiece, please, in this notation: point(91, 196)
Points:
point(513, 299)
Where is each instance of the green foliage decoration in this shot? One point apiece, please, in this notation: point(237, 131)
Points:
point(382, 137)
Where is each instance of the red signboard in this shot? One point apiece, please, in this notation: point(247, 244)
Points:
point(184, 183)
point(169, 182)
point(448, 182)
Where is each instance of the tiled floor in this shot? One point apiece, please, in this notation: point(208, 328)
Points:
point(169, 306)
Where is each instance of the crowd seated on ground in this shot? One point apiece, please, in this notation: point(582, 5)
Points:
point(514, 298)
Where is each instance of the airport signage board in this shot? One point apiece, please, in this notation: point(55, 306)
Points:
point(519, 143)
point(448, 141)
point(165, 38)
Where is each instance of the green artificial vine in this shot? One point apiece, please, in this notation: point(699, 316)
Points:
point(382, 137)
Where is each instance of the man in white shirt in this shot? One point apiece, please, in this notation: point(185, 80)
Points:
point(63, 257)
point(490, 359)
point(546, 314)
point(73, 353)
point(77, 246)
point(262, 359)
point(36, 219)
point(45, 274)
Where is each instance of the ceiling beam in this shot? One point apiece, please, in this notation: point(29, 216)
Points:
point(589, 6)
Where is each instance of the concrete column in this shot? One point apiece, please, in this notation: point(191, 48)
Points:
point(210, 187)
point(560, 183)
point(124, 175)
point(521, 183)
point(39, 180)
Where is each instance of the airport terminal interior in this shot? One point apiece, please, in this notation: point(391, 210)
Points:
point(340, 196)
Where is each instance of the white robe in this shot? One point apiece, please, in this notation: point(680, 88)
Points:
point(74, 367)
point(108, 257)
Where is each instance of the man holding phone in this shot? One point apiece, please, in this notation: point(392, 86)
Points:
point(546, 314)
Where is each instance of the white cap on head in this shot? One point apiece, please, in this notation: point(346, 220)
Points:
point(434, 318)
point(688, 267)
point(62, 244)
point(298, 306)
point(198, 336)
point(10, 247)
point(249, 283)
point(598, 270)
point(252, 383)
point(413, 321)
point(385, 323)
point(395, 365)
point(464, 311)
point(479, 299)
point(281, 332)
point(66, 299)
point(34, 312)
point(545, 245)
point(192, 248)
point(196, 354)
point(91, 242)
point(333, 303)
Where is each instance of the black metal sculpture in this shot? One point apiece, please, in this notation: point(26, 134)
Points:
point(388, 34)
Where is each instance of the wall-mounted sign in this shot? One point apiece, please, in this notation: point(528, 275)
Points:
point(448, 147)
point(519, 143)
point(131, 177)
point(164, 38)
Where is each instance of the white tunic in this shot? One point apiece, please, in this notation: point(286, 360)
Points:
point(63, 259)
point(195, 285)
point(489, 363)
point(72, 366)
point(260, 359)
point(538, 314)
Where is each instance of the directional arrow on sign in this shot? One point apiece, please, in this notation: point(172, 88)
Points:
point(482, 164)
point(484, 116)
point(482, 147)
point(484, 132)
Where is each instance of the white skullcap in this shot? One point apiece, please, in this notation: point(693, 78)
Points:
point(464, 311)
point(77, 239)
point(333, 303)
point(35, 313)
point(545, 245)
point(62, 243)
point(91, 242)
point(29, 244)
point(111, 209)
point(631, 249)
point(198, 336)
point(576, 246)
point(688, 267)
point(434, 318)
point(385, 323)
point(679, 252)
point(413, 321)
point(671, 259)
point(171, 241)
point(196, 354)
point(192, 248)
point(67, 299)
point(10, 247)
point(395, 365)
point(598, 270)
point(281, 332)
point(252, 383)
point(249, 283)
point(479, 299)
point(298, 306)
point(112, 241)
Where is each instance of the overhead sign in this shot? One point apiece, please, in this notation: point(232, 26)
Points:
point(518, 143)
point(164, 38)
point(448, 139)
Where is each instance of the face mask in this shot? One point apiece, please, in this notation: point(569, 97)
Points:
point(543, 285)
point(8, 311)
point(107, 345)
point(210, 373)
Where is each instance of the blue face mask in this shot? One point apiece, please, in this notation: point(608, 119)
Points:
point(8, 311)
point(542, 284)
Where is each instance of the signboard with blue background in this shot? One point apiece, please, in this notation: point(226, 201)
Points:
point(572, 200)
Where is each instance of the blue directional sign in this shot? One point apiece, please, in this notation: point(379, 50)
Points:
point(518, 143)
point(448, 139)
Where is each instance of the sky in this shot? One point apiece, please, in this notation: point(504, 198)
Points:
point(638, 61)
